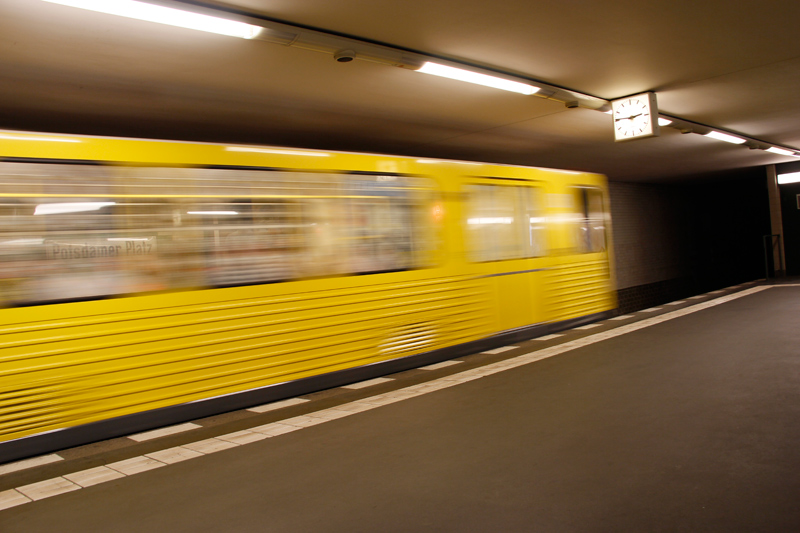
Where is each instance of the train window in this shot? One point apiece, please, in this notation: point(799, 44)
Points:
point(379, 224)
point(77, 232)
point(250, 241)
point(590, 232)
point(57, 226)
point(505, 222)
point(491, 223)
point(534, 221)
point(63, 252)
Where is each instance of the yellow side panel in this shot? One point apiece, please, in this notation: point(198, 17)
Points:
point(579, 286)
point(515, 305)
point(71, 364)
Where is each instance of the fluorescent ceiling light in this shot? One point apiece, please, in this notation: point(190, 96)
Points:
point(479, 79)
point(779, 151)
point(272, 151)
point(49, 139)
point(212, 213)
point(166, 15)
point(725, 137)
point(664, 121)
point(783, 179)
point(69, 207)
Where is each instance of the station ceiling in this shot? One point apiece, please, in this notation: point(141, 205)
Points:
point(729, 65)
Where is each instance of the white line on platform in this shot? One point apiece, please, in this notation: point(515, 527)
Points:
point(549, 337)
point(135, 465)
point(443, 364)
point(500, 350)
point(677, 302)
point(277, 405)
point(589, 326)
point(274, 429)
point(368, 383)
point(94, 476)
point(60, 485)
point(242, 437)
point(210, 446)
point(174, 455)
point(621, 317)
point(651, 310)
point(30, 463)
point(48, 487)
point(12, 498)
point(163, 432)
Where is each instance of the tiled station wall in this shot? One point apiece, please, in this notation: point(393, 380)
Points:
point(647, 244)
point(678, 239)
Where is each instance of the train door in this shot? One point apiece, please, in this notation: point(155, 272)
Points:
point(505, 236)
point(580, 281)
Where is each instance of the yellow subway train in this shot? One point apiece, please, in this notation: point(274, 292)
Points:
point(147, 282)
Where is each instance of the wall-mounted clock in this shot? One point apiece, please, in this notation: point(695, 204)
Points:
point(635, 117)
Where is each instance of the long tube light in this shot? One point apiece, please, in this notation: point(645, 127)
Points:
point(779, 151)
point(793, 177)
point(479, 79)
point(166, 15)
point(725, 137)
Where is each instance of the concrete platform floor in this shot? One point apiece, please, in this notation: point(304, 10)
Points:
point(687, 424)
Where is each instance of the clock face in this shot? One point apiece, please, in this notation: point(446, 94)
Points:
point(634, 117)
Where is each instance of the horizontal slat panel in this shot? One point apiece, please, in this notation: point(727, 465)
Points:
point(578, 288)
point(65, 371)
point(124, 344)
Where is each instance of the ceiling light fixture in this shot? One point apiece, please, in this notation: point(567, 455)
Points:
point(664, 121)
point(166, 15)
point(725, 137)
point(479, 79)
point(779, 151)
point(793, 177)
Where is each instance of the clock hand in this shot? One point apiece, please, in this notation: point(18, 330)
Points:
point(628, 118)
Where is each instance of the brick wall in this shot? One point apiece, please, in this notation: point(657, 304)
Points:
point(646, 234)
point(675, 240)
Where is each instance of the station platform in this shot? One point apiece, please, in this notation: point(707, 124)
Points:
point(684, 417)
